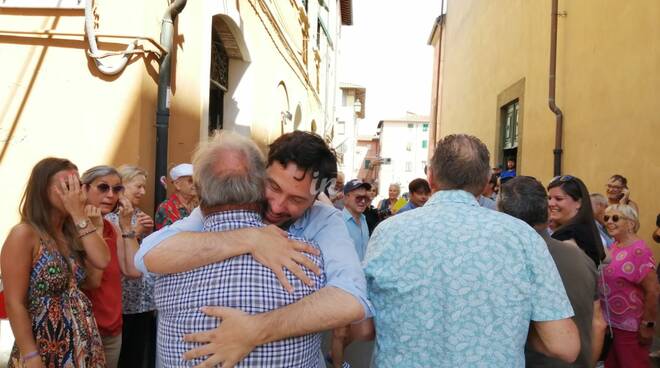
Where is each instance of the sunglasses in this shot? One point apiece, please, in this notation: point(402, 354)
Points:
point(615, 218)
point(104, 188)
point(562, 179)
point(362, 198)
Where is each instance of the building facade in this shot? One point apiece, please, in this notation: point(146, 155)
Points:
point(257, 67)
point(349, 115)
point(493, 78)
point(404, 145)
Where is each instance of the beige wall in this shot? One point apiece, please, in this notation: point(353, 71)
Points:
point(53, 101)
point(607, 78)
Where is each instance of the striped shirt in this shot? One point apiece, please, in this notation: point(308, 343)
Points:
point(239, 282)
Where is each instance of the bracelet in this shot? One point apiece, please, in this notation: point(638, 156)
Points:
point(86, 232)
point(28, 356)
point(130, 235)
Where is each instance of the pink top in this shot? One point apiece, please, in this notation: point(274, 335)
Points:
point(623, 289)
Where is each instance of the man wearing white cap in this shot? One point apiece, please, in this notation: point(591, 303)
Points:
point(182, 201)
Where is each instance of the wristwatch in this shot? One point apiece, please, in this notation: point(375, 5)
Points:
point(82, 224)
point(649, 324)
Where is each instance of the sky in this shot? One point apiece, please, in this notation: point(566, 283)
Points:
point(386, 50)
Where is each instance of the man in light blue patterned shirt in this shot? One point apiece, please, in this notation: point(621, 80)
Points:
point(454, 284)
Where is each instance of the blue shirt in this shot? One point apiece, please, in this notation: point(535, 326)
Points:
point(487, 203)
point(238, 282)
point(409, 206)
point(454, 284)
point(358, 232)
point(604, 235)
point(321, 223)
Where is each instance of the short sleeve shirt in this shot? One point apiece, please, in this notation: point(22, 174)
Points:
point(454, 285)
point(623, 296)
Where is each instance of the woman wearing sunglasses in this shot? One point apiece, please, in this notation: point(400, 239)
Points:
point(104, 190)
point(630, 290)
point(50, 316)
point(571, 216)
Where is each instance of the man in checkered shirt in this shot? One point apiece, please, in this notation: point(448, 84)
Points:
point(229, 173)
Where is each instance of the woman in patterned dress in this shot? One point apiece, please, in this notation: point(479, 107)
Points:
point(630, 290)
point(138, 345)
point(51, 318)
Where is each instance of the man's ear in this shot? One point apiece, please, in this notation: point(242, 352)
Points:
point(431, 178)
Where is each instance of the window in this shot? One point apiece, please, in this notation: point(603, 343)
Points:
point(409, 146)
point(341, 128)
point(410, 126)
point(510, 131)
point(425, 144)
point(367, 164)
point(425, 128)
point(510, 125)
point(408, 166)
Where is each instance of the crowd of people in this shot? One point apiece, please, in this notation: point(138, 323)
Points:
point(253, 257)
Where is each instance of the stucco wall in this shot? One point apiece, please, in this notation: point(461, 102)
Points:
point(607, 78)
point(53, 102)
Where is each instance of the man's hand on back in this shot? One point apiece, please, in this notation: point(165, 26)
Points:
point(271, 247)
point(235, 337)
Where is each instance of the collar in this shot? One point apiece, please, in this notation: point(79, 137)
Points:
point(228, 220)
point(348, 216)
point(452, 196)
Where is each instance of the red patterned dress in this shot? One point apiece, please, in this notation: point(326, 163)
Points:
point(62, 321)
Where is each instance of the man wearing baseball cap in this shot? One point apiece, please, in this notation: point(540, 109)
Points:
point(356, 199)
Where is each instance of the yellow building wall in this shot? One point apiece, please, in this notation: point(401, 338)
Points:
point(53, 101)
point(607, 78)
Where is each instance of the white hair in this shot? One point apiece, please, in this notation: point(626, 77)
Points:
point(236, 186)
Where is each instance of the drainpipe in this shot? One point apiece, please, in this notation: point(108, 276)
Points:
point(163, 109)
point(559, 116)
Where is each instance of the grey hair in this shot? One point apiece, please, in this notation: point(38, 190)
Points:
point(461, 161)
point(237, 186)
point(525, 198)
point(96, 172)
point(397, 185)
point(628, 212)
point(130, 172)
point(598, 199)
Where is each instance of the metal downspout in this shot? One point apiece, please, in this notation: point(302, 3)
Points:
point(163, 103)
point(559, 116)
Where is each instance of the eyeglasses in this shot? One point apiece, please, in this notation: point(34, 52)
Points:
point(617, 187)
point(615, 218)
point(104, 188)
point(562, 179)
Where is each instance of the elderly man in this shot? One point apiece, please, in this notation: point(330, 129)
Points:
point(598, 206)
point(525, 198)
point(230, 175)
point(356, 197)
point(464, 291)
point(300, 165)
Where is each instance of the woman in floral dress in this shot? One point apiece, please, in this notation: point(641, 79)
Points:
point(51, 318)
